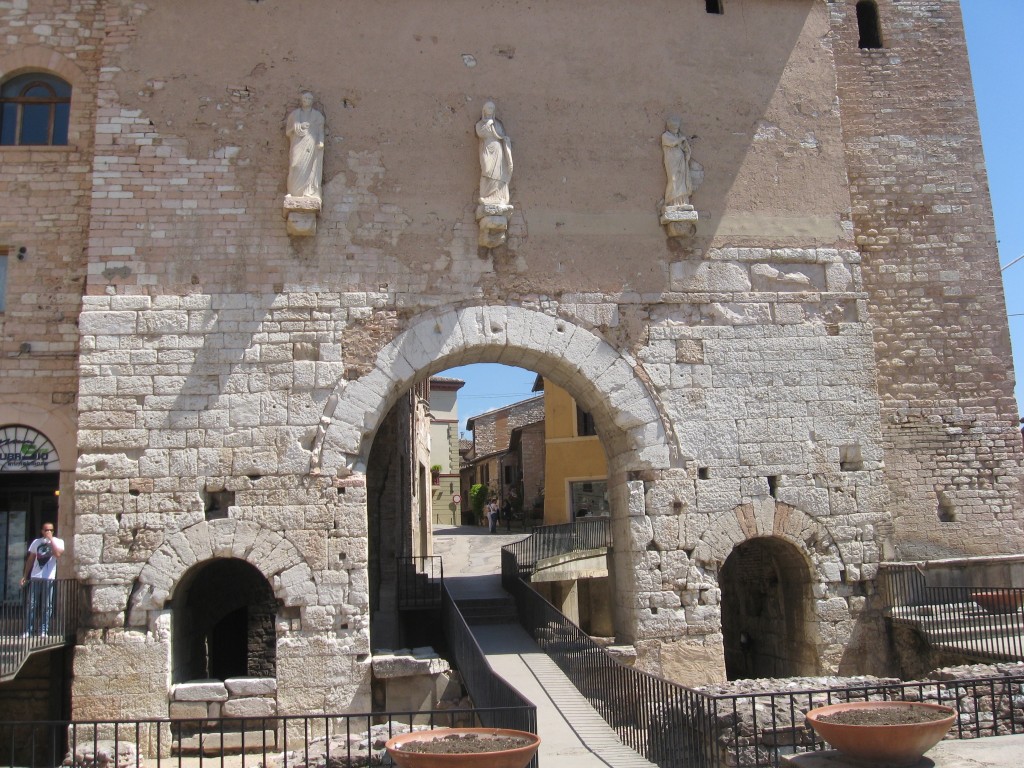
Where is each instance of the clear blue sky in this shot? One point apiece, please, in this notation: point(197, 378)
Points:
point(995, 42)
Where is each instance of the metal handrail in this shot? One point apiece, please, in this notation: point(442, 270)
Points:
point(54, 609)
point(978, 622)
point(551, 541)
point(420, 578)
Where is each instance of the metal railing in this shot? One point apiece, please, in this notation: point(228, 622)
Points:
point(420, 580)
point(279, 742)
point(502, 704)
point(45, 616)
point(978, 622)
point(519, 560)
point(755, 730)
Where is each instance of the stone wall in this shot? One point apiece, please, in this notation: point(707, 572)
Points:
point(767, 377)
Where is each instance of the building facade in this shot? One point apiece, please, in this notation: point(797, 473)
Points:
point(752, 239)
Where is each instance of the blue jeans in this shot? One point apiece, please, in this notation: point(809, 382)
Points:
point(41, 596)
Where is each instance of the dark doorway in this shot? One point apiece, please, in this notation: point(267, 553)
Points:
point(224, 615)
point(766, 610)
point(27, 499)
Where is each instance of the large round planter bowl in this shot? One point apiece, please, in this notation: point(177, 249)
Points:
point(503, 758)
point(999, 602)
point(882, 744)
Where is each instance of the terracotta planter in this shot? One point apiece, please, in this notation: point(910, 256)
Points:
point(503, 758)
point(902, 744)
point(999, 601)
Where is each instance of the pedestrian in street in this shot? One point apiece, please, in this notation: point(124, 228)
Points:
point(40, 577)
point(492, 515)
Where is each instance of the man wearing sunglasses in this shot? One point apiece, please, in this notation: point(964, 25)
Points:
point(40, 576)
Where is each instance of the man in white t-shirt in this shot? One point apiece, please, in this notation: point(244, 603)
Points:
point(40, 575)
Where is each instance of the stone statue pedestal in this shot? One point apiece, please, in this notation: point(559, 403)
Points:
point(301, 214)
point(493, 222)
point(679, 220)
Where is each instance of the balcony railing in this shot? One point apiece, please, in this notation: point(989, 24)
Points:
point(979, 622)
point(44, 616)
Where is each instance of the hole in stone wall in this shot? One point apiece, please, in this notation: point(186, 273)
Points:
point(713, 6)
point(703, 473)
point(868, 25)
point(947, 509)
point(850, 459)
point(216, 503)
point(773, 485)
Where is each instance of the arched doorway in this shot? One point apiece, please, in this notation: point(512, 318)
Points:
point(766, 611)
point(224, 623)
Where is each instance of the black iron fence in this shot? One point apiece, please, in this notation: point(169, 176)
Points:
point(44, 616)
point(419, 582)
point(519, 560)
point(976, 621)
point(280, 742)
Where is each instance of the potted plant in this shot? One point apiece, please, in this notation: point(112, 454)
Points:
point(463, 748)
point(882, 732)
point(435, 474)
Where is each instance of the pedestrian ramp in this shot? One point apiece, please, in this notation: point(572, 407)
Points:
point(573, 734)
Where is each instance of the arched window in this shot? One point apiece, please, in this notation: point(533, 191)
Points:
point(34, 110)
point(868, 25)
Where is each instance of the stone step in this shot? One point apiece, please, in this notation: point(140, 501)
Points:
point(500, 610)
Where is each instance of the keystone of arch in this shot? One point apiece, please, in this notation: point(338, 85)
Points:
point(600, 377)
point(765, 519)
point(273, 555)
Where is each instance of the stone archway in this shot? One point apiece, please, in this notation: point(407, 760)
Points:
point(604, 381)
point(269, 552)
point(779, 572)
point(767, 629)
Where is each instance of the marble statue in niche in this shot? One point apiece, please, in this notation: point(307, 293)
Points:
point(305, 131)
point(493, 207)
point(677, 214)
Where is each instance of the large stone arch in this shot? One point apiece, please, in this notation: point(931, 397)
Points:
point(270, 552)
point(610, 384)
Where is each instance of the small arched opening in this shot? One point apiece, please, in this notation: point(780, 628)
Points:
point(224, 623)
point(766, 611)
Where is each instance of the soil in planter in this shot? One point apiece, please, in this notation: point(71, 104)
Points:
point(461, 744)
point(884, 716)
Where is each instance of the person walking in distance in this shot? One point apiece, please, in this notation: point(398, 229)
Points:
point(40, 578)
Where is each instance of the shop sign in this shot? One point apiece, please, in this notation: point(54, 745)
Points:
point(23, 449)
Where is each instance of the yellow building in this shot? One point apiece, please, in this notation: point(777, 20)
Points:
point(575, 466)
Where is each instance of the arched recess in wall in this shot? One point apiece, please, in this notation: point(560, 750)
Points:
point(604, 381)
point(768, 557)
point(271, 553)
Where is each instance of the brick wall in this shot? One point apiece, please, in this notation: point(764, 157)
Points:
point(923, 223)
